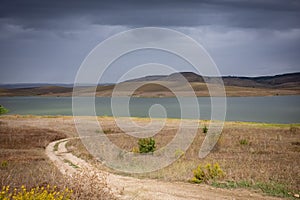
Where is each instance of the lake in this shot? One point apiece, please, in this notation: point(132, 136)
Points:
point(275, 109)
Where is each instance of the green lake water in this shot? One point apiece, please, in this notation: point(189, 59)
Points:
point(275, 109)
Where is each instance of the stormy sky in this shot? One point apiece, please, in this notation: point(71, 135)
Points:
point(46, 41)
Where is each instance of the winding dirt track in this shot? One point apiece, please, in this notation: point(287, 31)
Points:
point(144, 189)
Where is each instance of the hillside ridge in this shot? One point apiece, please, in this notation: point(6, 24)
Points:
point(282, 84)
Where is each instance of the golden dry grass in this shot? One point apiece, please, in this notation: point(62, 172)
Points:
point(22, 157)
point(23, 160)
point(270, 154)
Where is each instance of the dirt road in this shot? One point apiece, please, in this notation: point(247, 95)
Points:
point(132, 188)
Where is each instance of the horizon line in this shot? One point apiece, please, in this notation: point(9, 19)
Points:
point(222, 76)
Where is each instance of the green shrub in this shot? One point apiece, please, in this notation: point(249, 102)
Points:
point(107, 131)
point(3, 110)
point(244, 142)
point(146, 145)
point(205, 173)
point(4, 164)
point(204, 129)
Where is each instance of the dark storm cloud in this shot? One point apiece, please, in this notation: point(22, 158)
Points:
point(269, 14)
point(46, 41)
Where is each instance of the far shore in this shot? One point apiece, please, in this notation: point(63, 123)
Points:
point(169, 86)
point(230, 92)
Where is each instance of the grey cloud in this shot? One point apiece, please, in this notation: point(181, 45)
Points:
point(45, 41)
point(272, 14)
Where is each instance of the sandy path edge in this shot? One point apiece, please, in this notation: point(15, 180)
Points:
point(124, 187)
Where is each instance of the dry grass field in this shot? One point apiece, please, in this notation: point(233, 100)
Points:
point(264, 156)
point(22, 156)
point(252, 155)
point(23, 161)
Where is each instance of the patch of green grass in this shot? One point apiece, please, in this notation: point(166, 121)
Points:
point(55, 147)
point(244, 142)
point(262, 125)
point(3, 110)
point(272, 189)
point(204, 129)
point(71, 164)
point(4, 164)
point(107, 131)
point(52, 116)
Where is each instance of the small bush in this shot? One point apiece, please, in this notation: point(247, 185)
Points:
point(244, 142)
point(146, 145)
point(107, 131)
point(204, 129)
point(3, 110)
point(205, 173)
point(4, 164)
point(38, 193)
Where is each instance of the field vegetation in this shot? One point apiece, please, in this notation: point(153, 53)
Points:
point(26, 172)
point(251, 155)
point(261, 157)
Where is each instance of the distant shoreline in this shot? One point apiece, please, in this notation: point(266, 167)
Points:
point(163, 86)
point(230, 92)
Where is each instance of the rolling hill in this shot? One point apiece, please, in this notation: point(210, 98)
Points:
point(179, 83)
